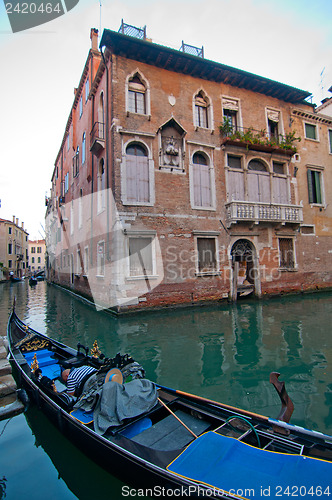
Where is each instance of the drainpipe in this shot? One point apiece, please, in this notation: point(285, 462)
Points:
point(92, 171)
point(107, 158)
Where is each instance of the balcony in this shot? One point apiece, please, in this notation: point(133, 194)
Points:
point(257, 212)
point(97, 138)
point(258, 140)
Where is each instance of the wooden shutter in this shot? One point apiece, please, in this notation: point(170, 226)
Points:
point(131, 178)
point(310, 186)
point(140, 256)
point(202, 185)
point(236, 186)
point(264, 188)
point(317, 187)
point(280, 191)
point(142, 168)
point(259, 187)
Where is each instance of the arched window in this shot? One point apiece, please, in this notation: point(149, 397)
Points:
point(101, 186)
point(136, 95)
point(137, 174)
point(201, 110)
point(83, 147)
point(101, 117)
point(257, 165)
point(76, 162)
point(202, 181)
point(258, 181)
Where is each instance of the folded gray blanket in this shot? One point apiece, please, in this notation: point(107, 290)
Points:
point(118, 402)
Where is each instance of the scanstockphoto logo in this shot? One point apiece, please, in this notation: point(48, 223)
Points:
point(25, 15)
point(120, 264)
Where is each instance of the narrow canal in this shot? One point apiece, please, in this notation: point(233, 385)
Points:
point(224, 352)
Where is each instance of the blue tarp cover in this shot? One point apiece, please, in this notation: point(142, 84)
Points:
point(232, 466)
point(46, 362)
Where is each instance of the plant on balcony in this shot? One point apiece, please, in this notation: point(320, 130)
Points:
point(255, 137)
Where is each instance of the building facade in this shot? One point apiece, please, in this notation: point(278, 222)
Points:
point(14, 248)
point(180, 180)
point(37, 253)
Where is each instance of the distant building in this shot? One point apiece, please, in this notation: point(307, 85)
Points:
point(180, 180)
point(14, 248)
point(37, 251)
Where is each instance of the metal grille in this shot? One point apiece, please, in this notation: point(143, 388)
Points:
point(286, 253)
point(127, 29)
point(194, 51)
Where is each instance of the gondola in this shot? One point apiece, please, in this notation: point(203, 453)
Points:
point(33, 281)
point(184, 445)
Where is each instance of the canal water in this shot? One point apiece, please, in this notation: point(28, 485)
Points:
point(224, 352)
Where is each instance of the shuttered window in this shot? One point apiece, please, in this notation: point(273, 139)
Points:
point(258, 182)
point(330, 141)
point(202, 181)
point(286, 253)
point(206, 249)
point(140, 256)
point(310, 131)
point(137, 174)
point(314, 186)
point(101, 258)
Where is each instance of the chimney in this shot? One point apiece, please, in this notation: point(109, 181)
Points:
point(22, 225)
point(14, 219)
point(94, 38)
point(17, 221)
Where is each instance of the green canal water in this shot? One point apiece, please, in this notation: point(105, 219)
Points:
point(225, 352)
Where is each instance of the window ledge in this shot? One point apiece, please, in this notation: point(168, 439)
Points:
point(288, 269)
point(142, 277)
point(210, 209)
point(100, 276)
point(208, 273)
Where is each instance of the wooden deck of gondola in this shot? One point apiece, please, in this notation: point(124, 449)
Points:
point(10, 404)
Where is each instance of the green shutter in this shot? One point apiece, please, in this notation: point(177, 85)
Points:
point(310, 186)
point(330, 139)
point(317, 187)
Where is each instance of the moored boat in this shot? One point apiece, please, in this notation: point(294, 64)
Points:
point(183, 443)
point(33, 281)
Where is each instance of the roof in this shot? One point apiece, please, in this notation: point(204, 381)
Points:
point(180, 62)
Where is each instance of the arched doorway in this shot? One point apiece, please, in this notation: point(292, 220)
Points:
point(245, 276)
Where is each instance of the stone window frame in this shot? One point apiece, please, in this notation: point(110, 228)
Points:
point(147, 94)
point(211, 235)
point(316, 139)
point(208, 109)
point(233, 104)
point(320, 171)
point(270, 113)
point(290, 238)
point(209, 154)
point(136, 234)
point(140, 141)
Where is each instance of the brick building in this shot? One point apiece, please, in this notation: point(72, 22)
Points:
point(180, 180)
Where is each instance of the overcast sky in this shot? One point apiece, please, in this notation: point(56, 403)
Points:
point(286, 40)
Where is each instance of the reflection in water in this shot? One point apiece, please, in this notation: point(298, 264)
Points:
point(224, 352)
point(81, 475)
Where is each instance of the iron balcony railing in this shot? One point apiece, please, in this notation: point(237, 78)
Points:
point(97, 132)
point(256, 212)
